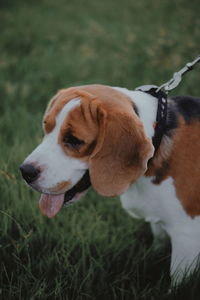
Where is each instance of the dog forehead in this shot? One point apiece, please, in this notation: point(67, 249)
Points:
point(64, 112)
point(106, 95)
point(61, 117)
point(58, 111)
point(58, 103)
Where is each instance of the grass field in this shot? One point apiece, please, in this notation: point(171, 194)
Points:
point(92, 250)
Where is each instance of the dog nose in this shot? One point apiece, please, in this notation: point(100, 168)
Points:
point(29, 172)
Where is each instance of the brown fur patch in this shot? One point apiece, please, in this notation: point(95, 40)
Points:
point(180, 159)
point(158, 166)
point(121, 155)
point(185, 166)
point(61, 187)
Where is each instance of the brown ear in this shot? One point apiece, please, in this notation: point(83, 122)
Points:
point(121, 153)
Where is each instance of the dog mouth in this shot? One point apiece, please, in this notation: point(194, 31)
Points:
point(82, 185)
point(50, 204)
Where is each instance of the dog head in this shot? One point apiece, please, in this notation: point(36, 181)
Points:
point(92, 136)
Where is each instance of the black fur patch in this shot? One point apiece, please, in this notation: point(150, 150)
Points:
point(161, 173)
point(188, 107)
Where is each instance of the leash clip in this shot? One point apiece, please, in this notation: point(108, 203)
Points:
point(177, 76)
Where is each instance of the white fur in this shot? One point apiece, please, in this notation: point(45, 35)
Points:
point(147, 108)
point(56, 166)
point(159, 205)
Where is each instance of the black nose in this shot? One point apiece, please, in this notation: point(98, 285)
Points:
point(29, 172)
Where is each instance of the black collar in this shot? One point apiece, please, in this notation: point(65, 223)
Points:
point(161, 116)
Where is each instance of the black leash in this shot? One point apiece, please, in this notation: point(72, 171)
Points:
point(161, 93)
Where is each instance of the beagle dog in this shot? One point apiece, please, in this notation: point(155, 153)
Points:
point(102, 136)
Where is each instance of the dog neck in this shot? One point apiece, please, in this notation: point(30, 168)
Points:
point(146, 107)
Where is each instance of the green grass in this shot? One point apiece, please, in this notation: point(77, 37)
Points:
point(92, 250)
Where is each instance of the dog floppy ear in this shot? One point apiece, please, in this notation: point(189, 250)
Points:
point(121, 153)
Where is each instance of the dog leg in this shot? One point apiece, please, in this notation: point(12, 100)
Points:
point(160, 236)
point(184, 258)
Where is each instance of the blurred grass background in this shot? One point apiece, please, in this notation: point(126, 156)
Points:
point(92, 250)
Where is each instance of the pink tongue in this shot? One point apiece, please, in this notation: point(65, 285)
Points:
point(51, 204)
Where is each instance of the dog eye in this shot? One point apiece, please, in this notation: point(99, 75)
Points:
point(72, 142)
